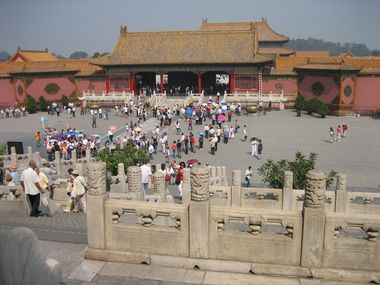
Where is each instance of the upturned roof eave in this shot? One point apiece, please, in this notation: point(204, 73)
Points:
point(183, 63)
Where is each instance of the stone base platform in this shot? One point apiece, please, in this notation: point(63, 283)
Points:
point(232, 272)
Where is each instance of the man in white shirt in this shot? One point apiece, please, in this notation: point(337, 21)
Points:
point(151, 151)
point(248, 175)
point(30, 184)
point(110, 135)
point(146, 173)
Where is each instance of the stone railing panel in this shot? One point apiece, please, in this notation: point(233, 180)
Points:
point(220, 195)
point(299, 198)
point(252, 235)
point(144, 234)
point(261, 198)
point(352, 241)
point(363, 203)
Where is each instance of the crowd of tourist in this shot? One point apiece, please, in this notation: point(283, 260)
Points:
point(66, 143)
point(12, 112)
point(217, 124)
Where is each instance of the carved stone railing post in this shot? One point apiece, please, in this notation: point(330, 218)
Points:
point(13, 155)
point(341, 193)
point(74, 157)
point(199, 211)
point(88, 155)
point(159, 185)
point(223, 178)
point(122, 177)
point(287, 192)
point(134, 182)
point(36, 158)
point(218, 175)
point(314, 219)
point(96, 197)
point(236, 188)
point(80, 168)
point(58, 163)
point(212, 175)
point(186, 187)
point(30, 153)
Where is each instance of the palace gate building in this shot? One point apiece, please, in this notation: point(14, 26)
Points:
point(232, 58)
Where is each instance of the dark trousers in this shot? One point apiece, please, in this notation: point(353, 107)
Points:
point(34, 203)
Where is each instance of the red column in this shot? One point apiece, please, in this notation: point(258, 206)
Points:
point(107, 85)
point(161, 83)
point(199, 83)
point(232, 83)
point(131, 82)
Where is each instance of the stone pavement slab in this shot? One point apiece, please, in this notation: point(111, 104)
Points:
point(87, 270)
point(111, 273)
point(61, 227)
point(283, 134)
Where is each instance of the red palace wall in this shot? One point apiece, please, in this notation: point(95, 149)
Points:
point(38, 85)
point(7, 92)
point(367, 93)
point(20, 92)
point(97, 85)
point(348, 91)
point(289, 86)
point(331, 88)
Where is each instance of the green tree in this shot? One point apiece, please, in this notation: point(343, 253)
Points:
point(272, 172)
point(128, 155)
point(31, 105)
point(311, 106)
point(335, 49)
point(4, 55)
point(78, 55)
point(322, 109)
point(299, 104)
point(65, 101)
point(3, 149)
point(43, 103)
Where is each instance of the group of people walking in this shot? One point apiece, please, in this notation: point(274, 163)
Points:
point(341, 132)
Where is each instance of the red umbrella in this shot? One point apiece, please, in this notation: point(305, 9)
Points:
point(192, 161)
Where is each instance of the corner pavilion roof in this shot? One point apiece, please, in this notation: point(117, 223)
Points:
point(265, 32)
point(185, 47)
point(328, 66)
point(33, 55)
point(312, 53)
point(80, 67)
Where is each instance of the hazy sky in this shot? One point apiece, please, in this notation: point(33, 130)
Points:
point(64, 26)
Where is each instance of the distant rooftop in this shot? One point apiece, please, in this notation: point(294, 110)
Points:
point(32, 55)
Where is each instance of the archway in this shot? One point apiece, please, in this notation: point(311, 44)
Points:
point(181, 83)
point(215, 81)
point(146, 83)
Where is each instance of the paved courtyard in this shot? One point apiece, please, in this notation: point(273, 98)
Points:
point(282, 133)
point(357, 155)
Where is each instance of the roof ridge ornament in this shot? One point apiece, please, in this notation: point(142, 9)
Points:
point(123, 30)
point(204, 21)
